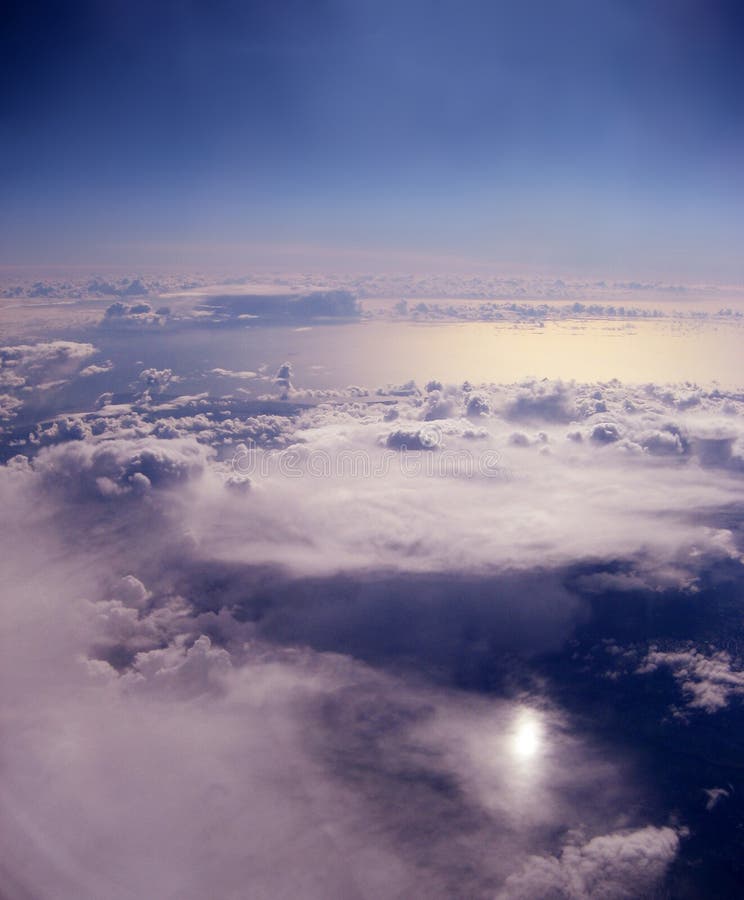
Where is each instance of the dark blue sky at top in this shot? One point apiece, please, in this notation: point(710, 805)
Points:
point(587, 135)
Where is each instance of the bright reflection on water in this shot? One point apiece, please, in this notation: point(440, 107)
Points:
point(511, 759)
point(528, 735)
point(376, 353)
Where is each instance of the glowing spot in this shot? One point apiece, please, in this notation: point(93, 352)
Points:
point(527, 736)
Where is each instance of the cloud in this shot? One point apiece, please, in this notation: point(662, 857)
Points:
point(44, 353)
point(11, 379)
point(439, 406)
point(123, 316)
point(283, 378)
point(419, 439)
point(96, 369)
point(544, 402)
point(157, 379)
point(9, 406)
point(32, 364)
point(113, 468)
point(316, 687)
point(26, 368)
point(551, 501)
point(508, 501)
point(194, 757)
point(182, 669)
point(709, 681)
point(229, 373)
point(618, 866)
point(125, 288)
point(715, 795)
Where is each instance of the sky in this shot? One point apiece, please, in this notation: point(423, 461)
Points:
point(371, 450)
point(598, 137)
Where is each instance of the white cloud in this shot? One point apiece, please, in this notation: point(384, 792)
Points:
point(44, 353)
point(104, 469)
point(478, 504)
point(178, 724)
point(230, 373)
point(709, 681)
point(41, 366)
point(620, 866)
point(96, 369)
point(154, 750)
point(9, 406)
point(157, 379)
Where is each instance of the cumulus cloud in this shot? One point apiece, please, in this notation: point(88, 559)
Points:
point(283, 378)
point(113, 468)
point(506, 501)
point(9, 406)
point(44, 353)
point(509, 498)
point(619, 866)
point(11, 379)
point(542, 401)
point(709, 681)
point(101, 369)
point(32, 364)
point(418, 439)
point(156, 380)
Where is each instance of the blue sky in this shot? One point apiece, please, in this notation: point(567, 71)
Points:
point(598, 137)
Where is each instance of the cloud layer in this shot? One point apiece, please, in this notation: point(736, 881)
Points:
point(293, 652)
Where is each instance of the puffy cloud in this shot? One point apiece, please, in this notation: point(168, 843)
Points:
point(181, 669)
point(111, 468)
point(135, 289)
point(605, 433)
point(33, 364)
point(439, 406)
point(668, 441)
point(131, 592)
point(339, 303)
point(157, 379)
point(520, 492)
point(620, 866)
point(9, 406)
point(125, 288)
point(476, 406)
point(542, 401)
point(44, 354)
point(123, 316)
point(11, 379)
point(709, 681)
point(506, 501)
point(283, 377)
point(101, 369)
point(211, 422)
point(408, 389)
point(419, 439)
